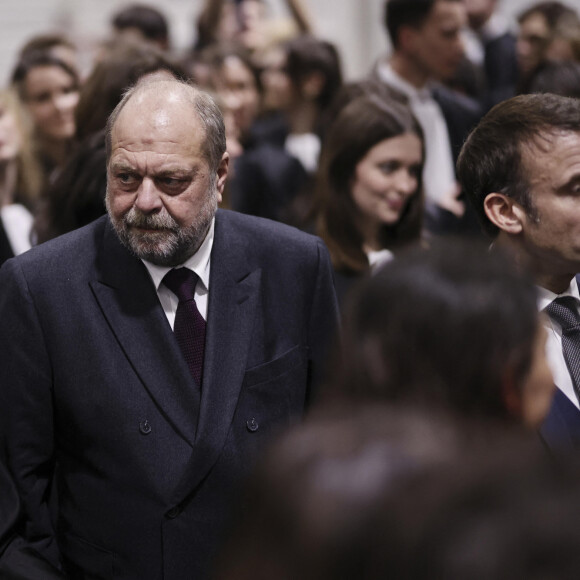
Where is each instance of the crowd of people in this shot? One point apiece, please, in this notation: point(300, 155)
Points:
point(258, 321)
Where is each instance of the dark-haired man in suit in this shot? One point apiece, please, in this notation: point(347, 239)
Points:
point(427, 51)
point(521, 169)
point(149, 356)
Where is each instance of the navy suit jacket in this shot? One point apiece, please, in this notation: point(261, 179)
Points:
point(560, 430)
point(501, 69)
point(97, 401)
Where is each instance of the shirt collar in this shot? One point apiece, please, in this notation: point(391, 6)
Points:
point(388, 75)
point(198, 263)
point(546, 296)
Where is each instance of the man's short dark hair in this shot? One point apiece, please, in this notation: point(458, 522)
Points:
point(491, 159)
point(148, 20)
point(400, 13)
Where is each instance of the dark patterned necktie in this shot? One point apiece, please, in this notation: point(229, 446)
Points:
point(564, 310)
point(189, 327)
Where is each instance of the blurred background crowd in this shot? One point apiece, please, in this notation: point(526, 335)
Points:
point(295, 134)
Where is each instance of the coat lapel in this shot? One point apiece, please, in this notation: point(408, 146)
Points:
point(129, 302)
point(233, 297)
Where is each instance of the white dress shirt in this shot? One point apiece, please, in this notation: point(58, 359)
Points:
point(306, 148)
point(17, 222)
point(378, 258)
point(439, 170)
point(198, 263)
point(554, 352)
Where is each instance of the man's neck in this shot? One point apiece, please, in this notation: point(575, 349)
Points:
point(408, 70)
point(556, 282)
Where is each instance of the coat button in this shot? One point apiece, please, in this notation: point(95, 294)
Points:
point(252, 425)
point(173, 512)
point(145, 427)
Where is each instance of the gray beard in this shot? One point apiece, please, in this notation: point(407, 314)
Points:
point(170, 245)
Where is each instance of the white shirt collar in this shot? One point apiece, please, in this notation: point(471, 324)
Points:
point(546, 296)
point(388, 75)
point(379, 257)
point(198, 263)
point(17, 221)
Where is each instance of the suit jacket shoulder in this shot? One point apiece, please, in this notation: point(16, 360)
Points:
point(461, 115)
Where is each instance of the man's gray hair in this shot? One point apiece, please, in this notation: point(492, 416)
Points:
point(208, 112)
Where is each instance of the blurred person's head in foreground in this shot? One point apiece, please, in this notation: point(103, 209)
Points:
point(452, 327)
point(510, 512)
point(308, 508)
point(316, 506)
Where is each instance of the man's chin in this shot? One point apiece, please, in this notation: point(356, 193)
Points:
point(165, 254)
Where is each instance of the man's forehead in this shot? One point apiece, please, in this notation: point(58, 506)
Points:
point(545, 141)
point(156, 113)
point(550, 153)
point(157, 103)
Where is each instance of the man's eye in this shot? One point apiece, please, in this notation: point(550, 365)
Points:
point(172, 185)
point(169, 181)
point(125, 178)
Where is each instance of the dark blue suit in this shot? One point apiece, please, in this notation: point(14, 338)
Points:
point(561, 428)
point(96, 398)
point(501, 69)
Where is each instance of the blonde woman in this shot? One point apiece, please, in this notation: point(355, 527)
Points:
point(20, 177)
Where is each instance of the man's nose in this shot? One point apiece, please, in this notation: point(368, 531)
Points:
point(148, 199)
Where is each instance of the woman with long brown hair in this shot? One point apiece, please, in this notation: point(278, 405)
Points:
point(369, 193)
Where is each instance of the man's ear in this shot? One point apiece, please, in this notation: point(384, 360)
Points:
point(222, 174)
point(504, 213)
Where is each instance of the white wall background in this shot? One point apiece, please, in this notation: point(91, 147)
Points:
point(354, 25)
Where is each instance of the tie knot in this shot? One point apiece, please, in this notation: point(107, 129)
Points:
point(182, 282)
point(564, 310)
